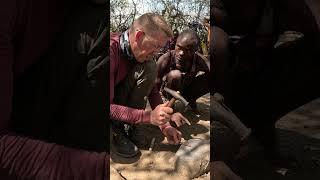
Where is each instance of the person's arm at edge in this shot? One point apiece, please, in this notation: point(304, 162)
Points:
point(23, 157)
point(7, 14)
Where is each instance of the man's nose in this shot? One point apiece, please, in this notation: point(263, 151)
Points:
point(181, 52)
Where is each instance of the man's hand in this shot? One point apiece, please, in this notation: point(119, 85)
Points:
point(161, 114)
point(179, 119)
point(172, 134)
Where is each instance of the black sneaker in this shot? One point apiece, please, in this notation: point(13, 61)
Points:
point(123, 146)
point(139, 138)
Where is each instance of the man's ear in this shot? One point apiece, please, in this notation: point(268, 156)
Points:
point(139, 35)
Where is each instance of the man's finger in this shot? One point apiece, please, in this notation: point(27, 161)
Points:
point(181, 119)
point(167, 117)
point(177, 119)
point(165, 104)
point(180, 135)
point(176, 138)
point(161, 123)
point(185, 120)
point(170, 141)
point(167, 110)
point(178, 123)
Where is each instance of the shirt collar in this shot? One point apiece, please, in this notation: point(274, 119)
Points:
point(125, 45)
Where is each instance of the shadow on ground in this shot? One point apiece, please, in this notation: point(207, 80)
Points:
point(297, 140)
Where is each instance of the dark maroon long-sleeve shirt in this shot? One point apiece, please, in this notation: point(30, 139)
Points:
point(119, 67)
point(26, 30)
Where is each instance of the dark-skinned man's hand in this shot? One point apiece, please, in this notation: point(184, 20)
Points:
point(172, 134)
point(179, 119)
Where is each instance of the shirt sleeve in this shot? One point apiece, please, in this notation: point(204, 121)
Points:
point(24, 158)
point(7, 15)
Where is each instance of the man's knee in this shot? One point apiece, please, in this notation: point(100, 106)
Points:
point(174, 76)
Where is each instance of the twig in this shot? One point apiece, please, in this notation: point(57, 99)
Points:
point(152, 144)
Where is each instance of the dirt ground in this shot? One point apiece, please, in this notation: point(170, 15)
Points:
point(160, 162)
point(298, 136)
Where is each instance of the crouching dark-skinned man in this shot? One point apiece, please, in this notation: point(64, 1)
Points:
point(180, 69)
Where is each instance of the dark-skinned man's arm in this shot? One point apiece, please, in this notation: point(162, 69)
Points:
point(162, 68)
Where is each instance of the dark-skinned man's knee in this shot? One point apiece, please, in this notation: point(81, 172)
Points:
point(174, 79)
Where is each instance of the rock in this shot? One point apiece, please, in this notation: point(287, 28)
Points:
point(114, 175)
point(193, 158)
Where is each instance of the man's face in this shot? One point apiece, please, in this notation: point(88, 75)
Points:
point(184, 51)
point(144, 46)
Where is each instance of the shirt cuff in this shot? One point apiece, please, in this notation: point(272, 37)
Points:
point(146, 117)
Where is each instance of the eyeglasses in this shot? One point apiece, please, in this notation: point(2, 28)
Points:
point(154, 44)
